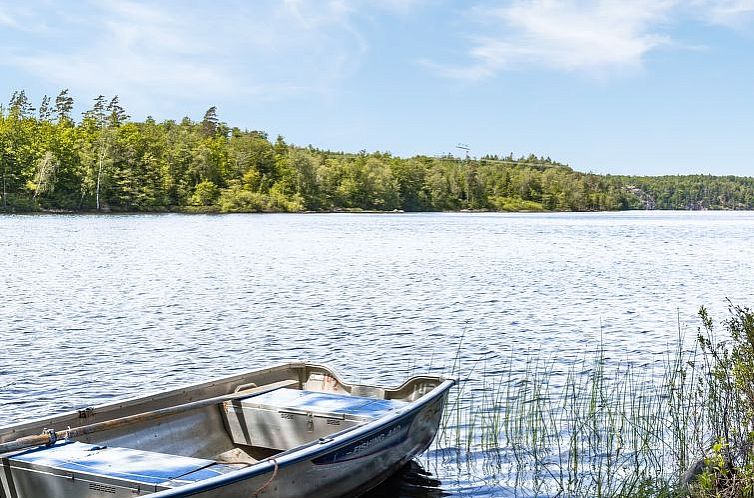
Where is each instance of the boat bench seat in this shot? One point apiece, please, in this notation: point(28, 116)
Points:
point(286, 418)
point(117, 468)
point(323, 403)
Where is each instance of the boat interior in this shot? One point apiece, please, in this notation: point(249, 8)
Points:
point(260, 414)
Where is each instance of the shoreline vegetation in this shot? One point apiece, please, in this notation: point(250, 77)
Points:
point(606, 428)
point(106, 162)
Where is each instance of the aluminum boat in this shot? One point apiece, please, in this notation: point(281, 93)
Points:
point(293, 430)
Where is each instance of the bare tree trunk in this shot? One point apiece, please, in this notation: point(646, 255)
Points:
point(42, 175)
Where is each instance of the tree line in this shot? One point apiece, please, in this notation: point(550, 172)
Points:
point(104, 161)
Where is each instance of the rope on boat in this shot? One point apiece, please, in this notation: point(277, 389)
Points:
point(269, 481)
point(51, 435)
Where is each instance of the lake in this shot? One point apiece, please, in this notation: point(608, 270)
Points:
point(102, 307)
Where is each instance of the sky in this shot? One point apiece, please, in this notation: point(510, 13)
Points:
point(611, 86)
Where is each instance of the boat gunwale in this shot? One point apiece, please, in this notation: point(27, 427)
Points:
point(106, 408)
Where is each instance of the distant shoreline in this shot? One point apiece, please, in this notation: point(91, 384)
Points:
point(107, 162)
point(56, 212)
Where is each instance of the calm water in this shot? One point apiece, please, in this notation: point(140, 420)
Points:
point(102, 307)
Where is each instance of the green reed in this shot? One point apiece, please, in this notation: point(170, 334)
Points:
point(602, 429)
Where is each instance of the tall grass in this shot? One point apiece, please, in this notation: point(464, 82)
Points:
point(601, 429)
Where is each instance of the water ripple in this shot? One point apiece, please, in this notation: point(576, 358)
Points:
point(103, 307)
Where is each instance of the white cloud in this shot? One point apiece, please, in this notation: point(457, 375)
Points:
point(273, 48)
point(312, 14)
point(130, 49)
point(177, 50)
point(340, 9)
point(5, 18)
point(593, 36)
point(589, 35)
point(17, 16)
point(402, 7)
point(732, 13)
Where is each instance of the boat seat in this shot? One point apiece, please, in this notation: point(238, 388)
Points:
point(324, 403)
point(112, 466)
point(286, 418)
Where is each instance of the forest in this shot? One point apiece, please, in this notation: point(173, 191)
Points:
point(105, 161)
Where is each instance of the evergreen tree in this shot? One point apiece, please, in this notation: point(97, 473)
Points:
point(45, 110)
point(63, 106)
point(210, 122)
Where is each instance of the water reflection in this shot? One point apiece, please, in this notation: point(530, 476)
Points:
point(412, 481)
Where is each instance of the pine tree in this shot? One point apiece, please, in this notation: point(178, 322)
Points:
point(63, 106)
point(210, 122)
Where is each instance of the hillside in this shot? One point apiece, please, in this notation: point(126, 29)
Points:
point(107, 162)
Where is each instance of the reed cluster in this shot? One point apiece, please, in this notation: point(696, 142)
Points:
point(604, 428)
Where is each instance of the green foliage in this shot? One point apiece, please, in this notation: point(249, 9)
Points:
point(205, 194)
point(692, 192)
point(728, 393)
point(515, 204)
point(107, 162)
point(238, 200)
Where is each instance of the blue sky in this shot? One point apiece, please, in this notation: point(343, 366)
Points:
point(611, 86)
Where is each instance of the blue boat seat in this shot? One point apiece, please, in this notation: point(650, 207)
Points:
point(324, 403)
point(123, 464)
